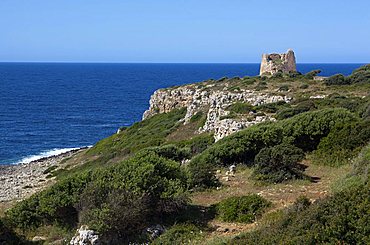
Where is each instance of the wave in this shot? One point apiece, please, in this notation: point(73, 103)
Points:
point(48, 153)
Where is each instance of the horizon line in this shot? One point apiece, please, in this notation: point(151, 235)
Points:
point(107, 62)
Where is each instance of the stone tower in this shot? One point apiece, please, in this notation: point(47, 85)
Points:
point(273, 63)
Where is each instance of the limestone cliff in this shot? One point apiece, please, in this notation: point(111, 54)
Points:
point(274, 63)
point(214, 101)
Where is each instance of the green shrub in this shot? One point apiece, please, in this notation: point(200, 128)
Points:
point(301, 107)
point(99, 196)
point(304, 86)
point(299, 205)
point(364, 109)
point(343, 218)
point(294, 74)
point(261, 85)
point(179, 234)
point(245, 209)
point(9, 237)
point(312, 74)
point(248, 81)
point(171, 152)
point(197, 144)
point(284, 87)
point(342, 143)
point(240, 108)
point(279, 163)
point(338, 79)
point(353, 104)
point(304, 131)
point(202, 174)
point(197, 117)
point(362, 163)
point(272, 107)
point(115, 212)
point(361, 75)
point(278, 74)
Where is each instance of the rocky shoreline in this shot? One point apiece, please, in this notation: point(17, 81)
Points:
point(21, 181)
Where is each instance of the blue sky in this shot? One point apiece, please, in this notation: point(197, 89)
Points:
point(183, 30)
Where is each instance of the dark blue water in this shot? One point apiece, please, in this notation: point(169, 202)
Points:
point(48, 107)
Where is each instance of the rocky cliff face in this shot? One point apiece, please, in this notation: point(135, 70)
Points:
point(273, 63)
point(215, 103)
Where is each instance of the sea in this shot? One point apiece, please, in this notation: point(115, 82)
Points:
point(50, 108)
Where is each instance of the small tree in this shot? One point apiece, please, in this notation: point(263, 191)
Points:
point(312, 74)
point(338, 79)
point(279, 163)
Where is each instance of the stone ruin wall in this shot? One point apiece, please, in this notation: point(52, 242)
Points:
point(274, 63)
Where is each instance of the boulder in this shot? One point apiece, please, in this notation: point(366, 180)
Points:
point(85, 236)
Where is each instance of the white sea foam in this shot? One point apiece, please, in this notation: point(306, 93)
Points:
point(43, 154)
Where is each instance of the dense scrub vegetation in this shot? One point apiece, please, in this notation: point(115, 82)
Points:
point(279, 163)
point(343, 218)
point(9, 237)
point(119, 200)
point(142, 177)
point(304, 131)
point(179, 234)
point(245, 209)
point(360, 75)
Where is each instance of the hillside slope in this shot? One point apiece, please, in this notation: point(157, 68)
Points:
point(224, 161)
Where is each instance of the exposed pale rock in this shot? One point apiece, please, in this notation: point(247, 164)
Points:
point(38, 238)
point(274, 63)
point(155, 231)
point(318, 96)
point(84, 236)
point(215, 102)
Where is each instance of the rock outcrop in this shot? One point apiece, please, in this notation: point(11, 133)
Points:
point(84, 236)
point(215, 103)
point(274, 63)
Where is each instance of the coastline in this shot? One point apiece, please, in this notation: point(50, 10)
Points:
point(19, 181)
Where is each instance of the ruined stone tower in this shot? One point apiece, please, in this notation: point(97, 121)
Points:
point(273, 63)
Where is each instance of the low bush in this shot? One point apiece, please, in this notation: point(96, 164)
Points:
point(284, 87)
point(312, 74)
point(171, 152)
point(342, 143)
point(202, 174)
point(301, 107)
point(338, 79)
point(362, 164)
point(343, 218)
point(240, 108)
point(279, 163)
point(149, 185)
point(272, 107)
point(353, 104)
point(179, 234)
point(294, 74)
point(244, 209)
point(197, 144)
point(118, 214)
point(9, 237)
point(304, 131)
point(360, 75)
